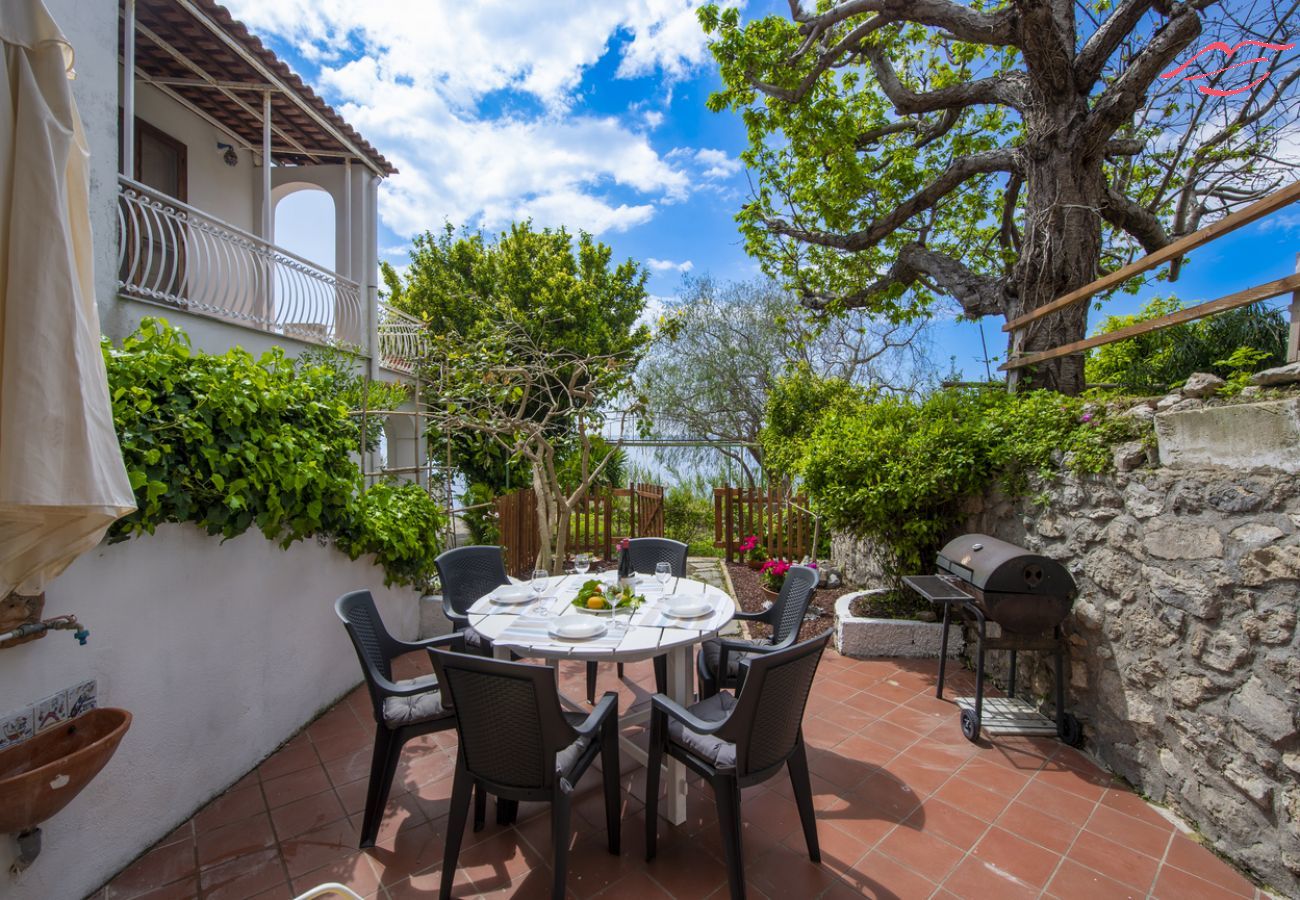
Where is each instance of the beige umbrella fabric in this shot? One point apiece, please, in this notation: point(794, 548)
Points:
point(62, 481)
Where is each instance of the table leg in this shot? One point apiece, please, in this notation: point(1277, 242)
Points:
point(680, 688)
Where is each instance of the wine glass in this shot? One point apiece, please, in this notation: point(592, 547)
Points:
point(663, 571)
point(538, 582)
point(582, 563)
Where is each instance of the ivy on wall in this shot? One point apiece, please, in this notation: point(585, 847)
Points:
point(229, 442)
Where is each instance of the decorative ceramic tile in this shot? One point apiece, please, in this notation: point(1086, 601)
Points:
point(82, 698)
point(16, 727)
point(51, 711)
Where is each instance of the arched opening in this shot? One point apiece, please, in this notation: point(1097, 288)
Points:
point(307, 303)
point(304, 223)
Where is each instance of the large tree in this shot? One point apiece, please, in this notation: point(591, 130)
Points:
point(999, 154)
point(723, 346)
point(550, 290)
point(542, 405)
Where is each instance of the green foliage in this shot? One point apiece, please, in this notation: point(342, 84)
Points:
point(1159, 360)
point(563, 293)
point(798, 400)
point(347, 384)
point(897, 471)
point(400, 524)
point(569, 466)
point(722, 346)
point(813, 168)
point(688, 517)
point(1239, 366)
point(482, 523)
point(230, 443)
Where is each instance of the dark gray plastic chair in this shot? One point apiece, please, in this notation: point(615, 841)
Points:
point(736, 742)
point(718, 662)
point(518, 744)
point(403, 708)
point(645, 554)
point(466, 574)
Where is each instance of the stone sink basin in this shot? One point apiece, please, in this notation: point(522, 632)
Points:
point(41, 776)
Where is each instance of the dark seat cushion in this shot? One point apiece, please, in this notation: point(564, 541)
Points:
point(711, 650)
point(415, 708)
point(567, 758)
point(718, 753)
point(477, 643)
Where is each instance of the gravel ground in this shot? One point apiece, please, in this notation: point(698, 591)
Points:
point(750, 596)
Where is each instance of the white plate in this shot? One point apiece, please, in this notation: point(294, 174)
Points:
point(512, 596)
point(686, 607)
point(577, 628)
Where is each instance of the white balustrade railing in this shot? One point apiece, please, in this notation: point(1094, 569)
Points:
point(402, 342)
point(173, 254)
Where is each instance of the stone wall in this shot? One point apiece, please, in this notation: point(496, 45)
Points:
point(1184, 647)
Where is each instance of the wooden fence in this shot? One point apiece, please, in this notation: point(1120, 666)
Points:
point(601, 520)
point(1170, 253)
point(783, 524)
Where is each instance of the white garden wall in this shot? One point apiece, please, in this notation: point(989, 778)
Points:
point(220, 651)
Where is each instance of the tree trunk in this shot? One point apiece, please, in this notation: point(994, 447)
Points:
point(561, 540)
point(1061, 252)
point(545, 517)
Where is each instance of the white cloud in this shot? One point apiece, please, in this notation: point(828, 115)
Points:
point(655, 307)
point(1284, 222)
point(653, 118)
point(667, 265)
point(411, 78)
point(716, 164)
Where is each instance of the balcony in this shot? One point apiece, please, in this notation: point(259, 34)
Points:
point(180, 257)
point(401, 340)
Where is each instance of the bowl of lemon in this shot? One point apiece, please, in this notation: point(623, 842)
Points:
point(598, 598)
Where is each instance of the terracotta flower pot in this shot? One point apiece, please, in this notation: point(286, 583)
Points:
point(770, 593)
point(754, 564)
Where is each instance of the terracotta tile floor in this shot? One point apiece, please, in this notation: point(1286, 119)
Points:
point(906, 807)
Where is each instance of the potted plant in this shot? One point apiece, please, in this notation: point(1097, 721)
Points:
point(771, 575)
point(754, 554)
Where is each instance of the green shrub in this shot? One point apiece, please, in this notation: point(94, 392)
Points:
point(229, 443)
point(400, 524)
point(688, 517)
point(1160, 360)
point(481, 522)
point(896, 471)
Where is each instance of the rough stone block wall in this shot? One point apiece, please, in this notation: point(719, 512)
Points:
point(1184, 656)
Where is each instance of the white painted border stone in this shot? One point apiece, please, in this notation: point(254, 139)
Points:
point(861, 637)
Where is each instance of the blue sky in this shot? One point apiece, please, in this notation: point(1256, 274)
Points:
point(590, 116)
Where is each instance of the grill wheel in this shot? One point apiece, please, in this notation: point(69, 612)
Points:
point(1070, 731)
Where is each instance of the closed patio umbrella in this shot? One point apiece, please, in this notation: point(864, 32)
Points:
point(62, 480)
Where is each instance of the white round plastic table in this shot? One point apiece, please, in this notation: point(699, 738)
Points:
point(523, 629)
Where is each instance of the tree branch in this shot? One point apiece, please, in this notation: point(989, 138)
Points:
point(960, 21)
point(979, 295)
point(1145, 227)
point(1009, 89)
point(824, 61)
point(961, 169)
point(1009, 234)
point(1105, 40)
point(1121, 99)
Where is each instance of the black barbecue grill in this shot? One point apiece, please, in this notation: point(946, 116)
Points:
point(1027, 595)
